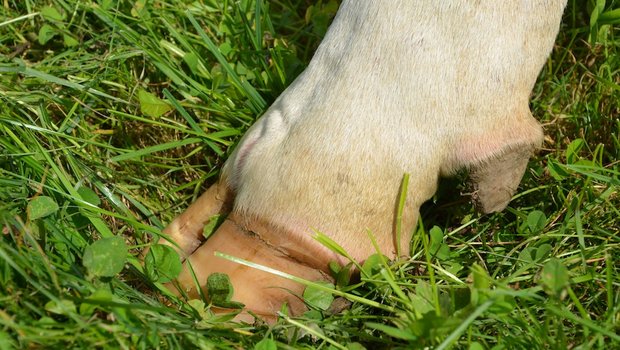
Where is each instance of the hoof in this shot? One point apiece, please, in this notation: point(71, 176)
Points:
point(262, 293)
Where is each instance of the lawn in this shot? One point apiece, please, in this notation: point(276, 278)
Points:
point(116, 115)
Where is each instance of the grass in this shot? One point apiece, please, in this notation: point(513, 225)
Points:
point(114, 116)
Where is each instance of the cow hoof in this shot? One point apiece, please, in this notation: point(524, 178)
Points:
point(258, 292)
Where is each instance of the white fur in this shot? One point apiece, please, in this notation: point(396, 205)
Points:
point(423, 87)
